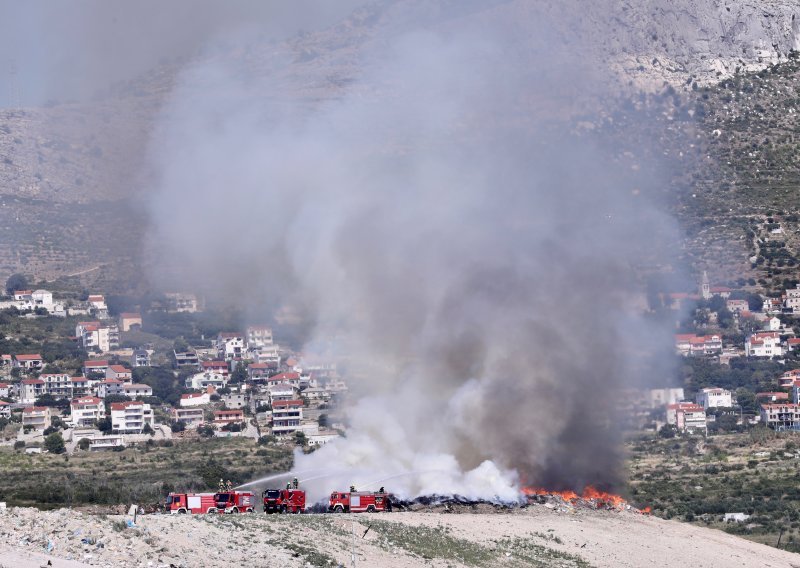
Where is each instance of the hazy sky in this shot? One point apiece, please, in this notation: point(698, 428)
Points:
point(66, 50)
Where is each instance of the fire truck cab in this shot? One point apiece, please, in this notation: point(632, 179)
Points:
point(284, 501)
point(194, 503)
point(360, 502)
point(234, 502)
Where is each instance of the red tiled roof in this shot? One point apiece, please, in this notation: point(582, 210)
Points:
point(287, 403)
point(126, 404)
point(119, 369)
point(32, 382)
point(228, 413)
point(32, 409)
point(96, 298)
point(130, 315)
point(214, 364)
point(96, 363)
point(28, 357)
point(258, 366)
point(86, 400)
point(289, 376)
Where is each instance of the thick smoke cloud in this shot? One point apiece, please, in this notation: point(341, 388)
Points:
point(470, 255)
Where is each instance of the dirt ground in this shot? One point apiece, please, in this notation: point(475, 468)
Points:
point(532, 536)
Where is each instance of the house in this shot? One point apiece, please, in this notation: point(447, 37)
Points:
point(97, 306)
point(787, 379)
point(258, 337)
point(763, 344)
point(691, 344)
point(286, 416)
point(677, 414)
point(772, 396)
point(129, 321)
point(120, 373)
point(230, 345)
point(30, 390)
point(796, 391)
point(97, 337)
point(189, 416)
point(6, 360)
point(178, 302)
point(80, 387)
point(691, 418)
point(195, 399)
point(23, 295)
point(235, 400)
point(186, 358)
point(791, 300)
point(781, 416)
point(224, 417)
point(201, 381)
point(270, 355)
point(290, 378)
point(130, 417)
point(219, 367)
point(281, 391)
point(658, 398)
point(737, 306)
point(773, 306)
point(106, 442)
point(140, 358)
point(86, 411)
point(95, 368)
point(36, 417)
point(134, 389)
point(257, 371)
point(57, 384)
point(5, 409)
point(29, 362)
point(322, 439)
point(109, 387)
point(5, 390)
point(792, 343)
point(714, 398)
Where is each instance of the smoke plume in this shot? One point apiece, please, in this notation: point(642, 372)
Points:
point(468, 251)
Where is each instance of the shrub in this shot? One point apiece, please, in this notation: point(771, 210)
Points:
point(54, 443)
point(19, 444)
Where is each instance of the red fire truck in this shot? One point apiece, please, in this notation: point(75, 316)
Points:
point(195, 503)
point(234, 502)
point(284, 501)
point(360, 502)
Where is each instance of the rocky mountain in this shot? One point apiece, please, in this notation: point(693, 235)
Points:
point(74, 178)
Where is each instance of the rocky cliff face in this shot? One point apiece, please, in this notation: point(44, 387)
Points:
point(95, 152)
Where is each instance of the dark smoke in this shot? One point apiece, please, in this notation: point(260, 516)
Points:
point(470, 251)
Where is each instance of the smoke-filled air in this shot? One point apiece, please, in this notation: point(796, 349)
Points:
point(466, 253)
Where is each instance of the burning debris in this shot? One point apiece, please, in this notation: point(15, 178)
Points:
point(590, 498)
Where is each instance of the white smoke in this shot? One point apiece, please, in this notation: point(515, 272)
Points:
point(472, 259)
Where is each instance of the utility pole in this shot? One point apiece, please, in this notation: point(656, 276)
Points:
point(353, 550)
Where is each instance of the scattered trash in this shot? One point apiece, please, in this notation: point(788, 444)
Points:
point(130, 524)
point(49, 546)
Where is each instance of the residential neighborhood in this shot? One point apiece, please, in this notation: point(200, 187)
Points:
point(239, 383)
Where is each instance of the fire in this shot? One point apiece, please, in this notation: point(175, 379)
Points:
point(590, 496)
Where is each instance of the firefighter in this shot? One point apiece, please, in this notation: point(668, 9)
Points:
point(288, 485)
point(381, 490)
point(295, 483)
point(221, 486)
point(352, 489)
point(229, 485)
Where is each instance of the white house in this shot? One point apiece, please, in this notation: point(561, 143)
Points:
point(30, 390)
point(200, 381)
point(36, 417)
point(258, 337)
point(29, 362)
point(134, 389)
point(764, 344)
point(189, 416)
point(230, 345)
point(120, 373)
point(98, 337)
point(195, 399)
point(130, 417)
point(86, 411)
point(109, 387)
point(286, 416)
point(714, 398)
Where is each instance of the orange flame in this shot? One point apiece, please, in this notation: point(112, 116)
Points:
point(590, 494)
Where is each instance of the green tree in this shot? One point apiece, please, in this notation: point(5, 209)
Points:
point(300, 439)
point(84, 444)
point(16, 282)
point(239, 374)
point(54, 443)
point(104, 425)
point(148, 430)
point(755, 302)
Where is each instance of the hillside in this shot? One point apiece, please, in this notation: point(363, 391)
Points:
point(74, 178)
point(535, 536)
